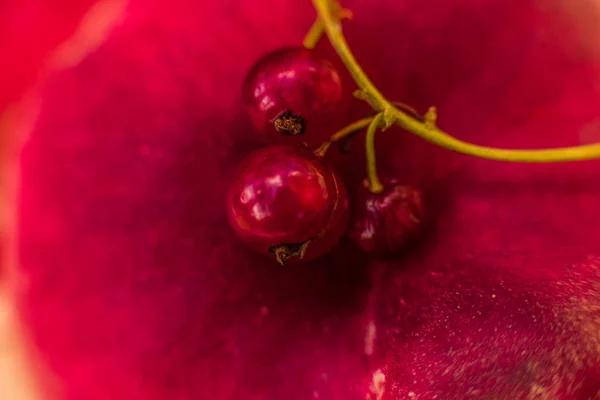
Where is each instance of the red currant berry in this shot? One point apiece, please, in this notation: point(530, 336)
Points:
point(384, 223)
point(287, 202)
point(292, 91)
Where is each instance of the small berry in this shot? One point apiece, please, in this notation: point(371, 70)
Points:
point(287, 202)
point(384, 223)
point(292, 96)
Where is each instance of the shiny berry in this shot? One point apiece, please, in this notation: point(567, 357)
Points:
point(287, 202)
point(293, 96)
point(385, 223)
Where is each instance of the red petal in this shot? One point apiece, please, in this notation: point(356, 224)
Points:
point(136, 282)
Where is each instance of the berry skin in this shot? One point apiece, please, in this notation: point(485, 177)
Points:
point(292, 96)
point(384, 223)
point(287, 202)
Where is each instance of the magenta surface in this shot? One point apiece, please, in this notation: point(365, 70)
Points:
point(136, 285)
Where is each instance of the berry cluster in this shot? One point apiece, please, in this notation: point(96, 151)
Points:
point(287, 200)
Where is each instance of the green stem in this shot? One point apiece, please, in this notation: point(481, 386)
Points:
point(342, 133)
point(314, 35)
point(375, 185)
point(427, 129)
point(317, 30)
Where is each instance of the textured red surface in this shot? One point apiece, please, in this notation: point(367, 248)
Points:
point(138, 290)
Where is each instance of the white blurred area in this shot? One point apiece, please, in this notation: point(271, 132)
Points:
point(16, 382)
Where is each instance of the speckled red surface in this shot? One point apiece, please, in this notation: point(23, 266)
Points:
point(138, 290)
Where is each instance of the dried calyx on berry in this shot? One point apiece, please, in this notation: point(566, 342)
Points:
point(289, 124)
point(283, 252)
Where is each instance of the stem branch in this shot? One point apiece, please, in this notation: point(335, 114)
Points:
point(427, 129)
point(314, 35)
point(342, 133)
point(375, 185)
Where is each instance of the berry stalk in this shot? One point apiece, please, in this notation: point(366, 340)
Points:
point(427, 129)
point(314, 35)
point(375, 185)
point(342, 133)
point(317, 30)
point(357, 126)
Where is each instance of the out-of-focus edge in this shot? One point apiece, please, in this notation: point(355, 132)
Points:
point(22, 375)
